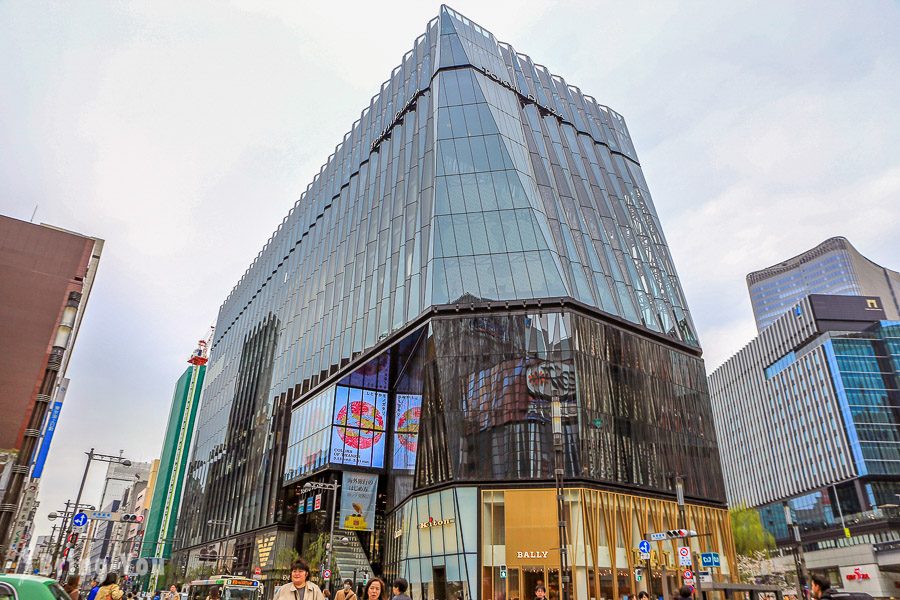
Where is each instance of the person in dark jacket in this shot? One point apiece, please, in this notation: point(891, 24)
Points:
point(399, 587)
point(819, 587)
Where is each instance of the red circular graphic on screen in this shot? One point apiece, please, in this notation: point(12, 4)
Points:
point(408, 428)
point(363, 415)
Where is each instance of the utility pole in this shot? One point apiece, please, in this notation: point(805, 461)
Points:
point(59, 539)
point(559, 472)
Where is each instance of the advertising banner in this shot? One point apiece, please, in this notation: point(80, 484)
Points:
point(358, 493)
point(358, 434)
point(406, 430)
point(50, 428)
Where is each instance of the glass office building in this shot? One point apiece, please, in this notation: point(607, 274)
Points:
point(808, 415)
point(833, 267)
point(481, 242)
point(813, 402)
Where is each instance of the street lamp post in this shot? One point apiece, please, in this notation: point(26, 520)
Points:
point(679, 497)
point(221, 553)
point(559, 472)
point(333, 487)
point(91, 456)
point(799, 560)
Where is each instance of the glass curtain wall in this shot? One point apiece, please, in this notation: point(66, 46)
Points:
point(634, 410)
point(433, 543)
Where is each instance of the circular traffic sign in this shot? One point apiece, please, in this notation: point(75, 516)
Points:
point(644, 546)
point(684, 551)
point(687, 574)
point(326, 574)
point(80, 520)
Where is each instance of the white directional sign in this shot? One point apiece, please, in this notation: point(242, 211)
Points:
point(658, 537)
point(684, 556)
point(99, 515)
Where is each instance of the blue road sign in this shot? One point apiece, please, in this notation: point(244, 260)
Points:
point(710, 559)
point(79, 520)
point(644, 546)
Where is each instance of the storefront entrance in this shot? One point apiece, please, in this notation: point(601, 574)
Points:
point(522, 582)
point(520, 547)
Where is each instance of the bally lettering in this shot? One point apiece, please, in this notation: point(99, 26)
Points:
point(538, 554)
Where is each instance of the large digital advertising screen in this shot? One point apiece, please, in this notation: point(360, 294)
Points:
point(406, 430)
point(358, 432)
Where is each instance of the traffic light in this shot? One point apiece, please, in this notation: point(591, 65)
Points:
point(681, 533)
point(132, 518)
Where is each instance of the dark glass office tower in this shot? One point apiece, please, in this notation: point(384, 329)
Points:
point(481, 244)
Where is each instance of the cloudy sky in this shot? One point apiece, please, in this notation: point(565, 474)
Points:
point(182, 133)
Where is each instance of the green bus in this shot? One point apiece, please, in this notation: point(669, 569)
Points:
point(230, 588)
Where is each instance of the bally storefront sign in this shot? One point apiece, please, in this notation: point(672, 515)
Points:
point(535, 554)
point(532, 539)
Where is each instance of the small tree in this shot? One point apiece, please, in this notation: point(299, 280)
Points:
point(283, 561)
point(750, 536)
point(314, 553)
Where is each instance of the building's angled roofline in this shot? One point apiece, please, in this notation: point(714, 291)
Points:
point(444, 8)
point(829, 245)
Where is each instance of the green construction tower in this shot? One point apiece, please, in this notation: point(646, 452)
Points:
point(159, 533)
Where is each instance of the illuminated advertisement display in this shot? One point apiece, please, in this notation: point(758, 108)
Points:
point(358, 432)
point(406, 430)
point(360, 490)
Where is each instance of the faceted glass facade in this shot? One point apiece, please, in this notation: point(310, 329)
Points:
point(473, 176)
point(634, 410)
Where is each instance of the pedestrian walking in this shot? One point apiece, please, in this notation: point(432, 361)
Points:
point(376, 589)
point(540, 593)
point(95, 587)
point(399, 588)
point(109, 589)
point(173, 594)
point(72, 587)
point(299, 587)
point(346, 592)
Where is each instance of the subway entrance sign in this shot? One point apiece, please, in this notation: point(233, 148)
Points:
point(710, 559)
